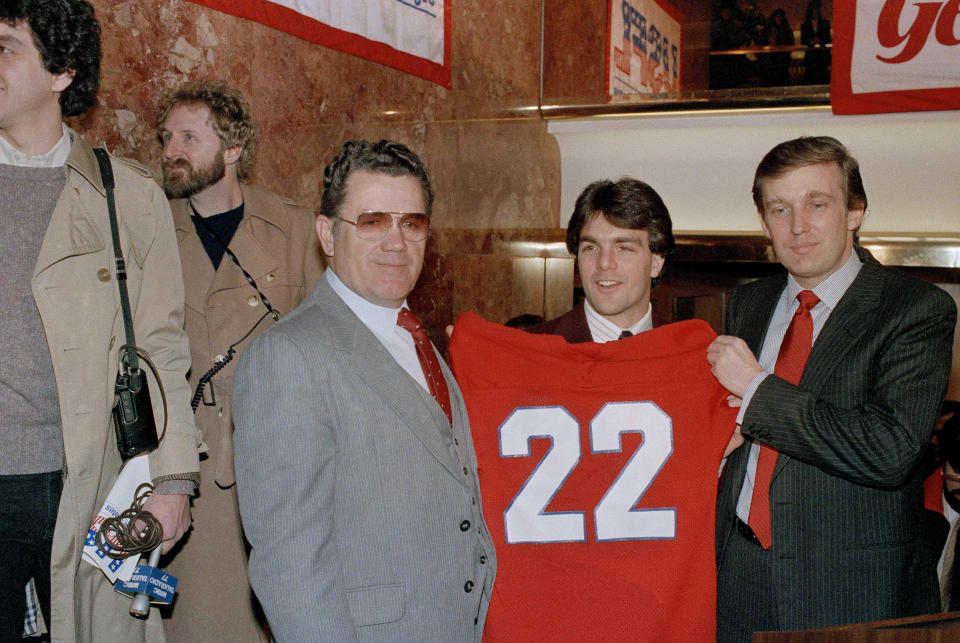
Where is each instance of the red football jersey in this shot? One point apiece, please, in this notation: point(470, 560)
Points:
point(598, 468)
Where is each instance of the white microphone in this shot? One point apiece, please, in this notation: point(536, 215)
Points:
point(140, 607)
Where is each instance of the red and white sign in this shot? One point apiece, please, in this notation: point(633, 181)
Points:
point(895, 56)
point(409, 35)
point(643, 47)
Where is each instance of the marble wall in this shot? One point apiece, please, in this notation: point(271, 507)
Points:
point(575, 41)
point(493, 164)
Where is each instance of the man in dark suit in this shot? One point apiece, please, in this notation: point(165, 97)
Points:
point(621, 234)
point(819, 517)
point(355, 468)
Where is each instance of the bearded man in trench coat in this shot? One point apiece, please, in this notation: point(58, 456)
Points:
point(209, 142)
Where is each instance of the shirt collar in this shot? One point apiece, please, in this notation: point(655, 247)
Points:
point(379, 319)
point(603, 330)
point(830, 290)
point(56, 156)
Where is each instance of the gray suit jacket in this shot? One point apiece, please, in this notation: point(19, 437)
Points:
point(847, 489)
point(360, 503)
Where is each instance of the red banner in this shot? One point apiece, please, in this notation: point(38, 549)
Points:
point(895, 56)
point(415, 22)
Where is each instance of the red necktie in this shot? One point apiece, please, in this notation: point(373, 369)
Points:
point(790, 362)
point(428, 359)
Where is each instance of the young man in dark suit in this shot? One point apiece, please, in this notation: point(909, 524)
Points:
point(819, 518)
point(622, 235)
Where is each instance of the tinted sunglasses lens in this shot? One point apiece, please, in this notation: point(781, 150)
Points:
point(376, 225)
point(415, 226)
point(373, 225)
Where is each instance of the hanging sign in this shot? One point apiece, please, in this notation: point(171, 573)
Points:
point(409, 35)
point(895, 56)
point(643, 47)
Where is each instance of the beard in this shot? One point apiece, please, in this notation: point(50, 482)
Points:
point(191, 180)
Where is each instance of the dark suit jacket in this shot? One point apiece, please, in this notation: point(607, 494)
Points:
point(572, 326)
point(847, 491)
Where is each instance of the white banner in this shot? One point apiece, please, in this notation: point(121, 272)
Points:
point(891, 55)
point(900, 47)
point(412, 26)
point(410, 35)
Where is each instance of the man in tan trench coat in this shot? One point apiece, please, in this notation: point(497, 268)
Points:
point(58, 457)
point(209, 141)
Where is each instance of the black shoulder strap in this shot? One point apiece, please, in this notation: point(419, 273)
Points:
point(106, 176)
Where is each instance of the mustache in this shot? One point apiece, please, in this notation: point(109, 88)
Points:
point(177, 163)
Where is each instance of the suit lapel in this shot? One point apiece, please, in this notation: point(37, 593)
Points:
point(255, 259)
point(753, 316)
point(847, 322)
point(574, 326)
point(757, 313)
point(73, 227)
point(757, 310)
point(372, 363)
point(72, 231)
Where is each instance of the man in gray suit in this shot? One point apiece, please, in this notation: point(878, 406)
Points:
point(355, 467)
point(837, 413)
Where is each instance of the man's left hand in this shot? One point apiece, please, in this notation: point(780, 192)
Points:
point(173, 513)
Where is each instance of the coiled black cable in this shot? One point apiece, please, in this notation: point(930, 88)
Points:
point(231, 351)
point(134, 531)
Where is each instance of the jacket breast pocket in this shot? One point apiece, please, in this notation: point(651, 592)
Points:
point(375, 605)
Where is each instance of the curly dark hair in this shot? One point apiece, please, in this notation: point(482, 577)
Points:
point(67, 35)
point(626, 203)
point(385, 157)
point(230, 116)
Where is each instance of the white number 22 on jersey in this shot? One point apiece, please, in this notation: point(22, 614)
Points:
point(526, 521)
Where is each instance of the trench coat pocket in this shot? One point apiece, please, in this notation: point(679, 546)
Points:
point(375, 605)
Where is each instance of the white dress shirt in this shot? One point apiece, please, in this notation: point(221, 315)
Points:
point(382, 322)
point(54, 157)
point(603, 330)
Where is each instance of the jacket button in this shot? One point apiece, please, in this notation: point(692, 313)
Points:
point(252, 301)
point(468, 586)
point(103, 275)
point(456, 441)
point(483, 559)
point(465, 525)
point(465, 471)
point(271, 277)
